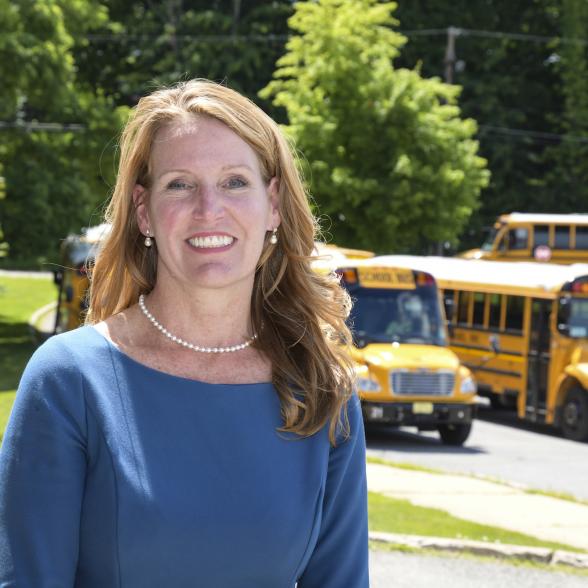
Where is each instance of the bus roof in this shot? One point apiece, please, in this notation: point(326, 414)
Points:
point(564, 219)
point(522, 278)
point(330, 256)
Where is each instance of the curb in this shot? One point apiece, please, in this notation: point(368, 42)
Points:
point(35, 321)
point(35, 317)
point(543, 555)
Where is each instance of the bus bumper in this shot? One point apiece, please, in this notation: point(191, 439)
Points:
point(418, 414)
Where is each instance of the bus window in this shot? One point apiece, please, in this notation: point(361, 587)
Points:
point(494, 316)
point(463, 308)
point(582, 238)
point(478, 309)
point(449, 304)
point(518, 239)
point(572, 317)
point(515, 306)
point(562, 237)
point(489, 241)
point(540, 235)
point(404, 316)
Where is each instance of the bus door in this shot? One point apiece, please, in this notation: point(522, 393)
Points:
point(538, 359)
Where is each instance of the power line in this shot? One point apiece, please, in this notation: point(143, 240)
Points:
point(495, 35)
point(197, 38)
point(534, 134)
point(50, 127)
point(525, 37)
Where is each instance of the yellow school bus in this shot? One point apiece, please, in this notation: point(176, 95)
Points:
point(77, 251)
point(406, 375)
point(555, 238)
point(522, 328)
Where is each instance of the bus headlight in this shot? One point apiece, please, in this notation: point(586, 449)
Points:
point(468, 385)
point(367, 385)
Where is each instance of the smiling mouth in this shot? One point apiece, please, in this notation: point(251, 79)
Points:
point(211, 242)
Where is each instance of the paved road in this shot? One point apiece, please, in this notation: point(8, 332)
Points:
point(533, 456)
point(408, 570)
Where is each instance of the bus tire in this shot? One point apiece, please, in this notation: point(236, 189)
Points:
point(455, 435)
point(574, 415)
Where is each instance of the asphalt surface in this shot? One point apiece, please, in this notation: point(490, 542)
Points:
point(500, 447)
point(409, 570)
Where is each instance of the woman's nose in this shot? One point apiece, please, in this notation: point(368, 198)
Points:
point(208, 204)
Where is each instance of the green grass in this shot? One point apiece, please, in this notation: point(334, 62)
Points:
point(19, 298)
point(394, 515)
point(404, 466)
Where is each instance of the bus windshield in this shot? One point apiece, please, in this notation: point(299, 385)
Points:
point(488, 243)
point(404, 316)
point(572, 318)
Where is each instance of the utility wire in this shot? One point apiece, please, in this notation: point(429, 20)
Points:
point(545, 137)
point(526, 37)
point(197, 38)
point(496, 35)
point(41, 126)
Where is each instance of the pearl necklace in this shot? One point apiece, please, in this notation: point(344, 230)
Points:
point(179, 341)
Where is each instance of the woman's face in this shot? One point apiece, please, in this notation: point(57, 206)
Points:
point(208, 207)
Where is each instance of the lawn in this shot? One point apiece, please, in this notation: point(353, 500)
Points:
point(19, 298)
point(394, 515)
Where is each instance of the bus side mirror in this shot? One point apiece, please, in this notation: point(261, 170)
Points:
point(494, 344)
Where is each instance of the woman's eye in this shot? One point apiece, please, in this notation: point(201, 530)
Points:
point(178, 185)
point(235, 183)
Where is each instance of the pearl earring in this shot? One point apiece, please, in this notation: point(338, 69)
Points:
point(274, 238)
point(148, 240)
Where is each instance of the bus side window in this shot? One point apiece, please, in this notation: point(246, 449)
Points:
point(494, 316)
point(478, 319)
point(562, 237)
point(582, 238)
point(540, 235)
point(463, 308)
point(515, 306)
point(518, 239)
point(449, 304)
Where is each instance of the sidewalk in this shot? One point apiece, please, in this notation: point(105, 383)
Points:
point(481, 501)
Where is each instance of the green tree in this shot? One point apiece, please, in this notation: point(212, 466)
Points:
point(387, 155)
point(566, 183)
point(55, 177)
point(3, 246)
point(511, 86)
point(146, 43)
point(78, 61)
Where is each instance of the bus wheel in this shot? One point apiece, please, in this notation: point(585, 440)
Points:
point(455, 434)
point(574, 422)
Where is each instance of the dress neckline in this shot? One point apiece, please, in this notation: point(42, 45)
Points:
point(125, 357)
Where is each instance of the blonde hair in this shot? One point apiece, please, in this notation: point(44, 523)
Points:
point(298, 314)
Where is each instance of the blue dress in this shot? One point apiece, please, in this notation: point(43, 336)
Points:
point(117, 475)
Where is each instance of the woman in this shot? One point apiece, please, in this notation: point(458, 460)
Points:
point(198, 430)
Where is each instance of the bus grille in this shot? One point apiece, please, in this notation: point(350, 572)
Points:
point(422, 382)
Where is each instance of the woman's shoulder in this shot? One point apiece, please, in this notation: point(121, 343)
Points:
point(66, 351)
